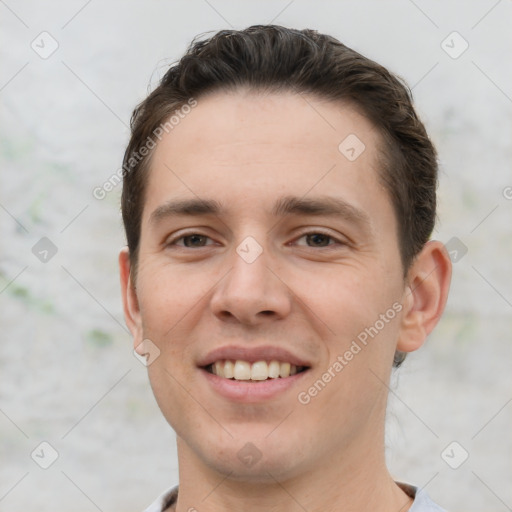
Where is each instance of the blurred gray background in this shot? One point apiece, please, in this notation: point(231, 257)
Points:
point(68, 376)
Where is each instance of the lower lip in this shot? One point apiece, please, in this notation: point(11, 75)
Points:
point(251, 391)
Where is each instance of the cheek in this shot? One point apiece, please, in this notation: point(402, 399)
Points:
point(169, 295)
point(357, 311)
point(348, 298)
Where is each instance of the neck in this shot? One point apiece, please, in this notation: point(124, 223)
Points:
point(356, 481)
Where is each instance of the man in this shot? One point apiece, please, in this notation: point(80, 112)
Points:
point(279, 196)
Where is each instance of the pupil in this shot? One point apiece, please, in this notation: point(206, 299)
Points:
point(316, 236)
point(192, 238)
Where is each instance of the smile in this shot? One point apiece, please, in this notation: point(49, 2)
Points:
point(257, 371)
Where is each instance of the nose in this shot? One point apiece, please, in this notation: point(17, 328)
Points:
point(252, 292)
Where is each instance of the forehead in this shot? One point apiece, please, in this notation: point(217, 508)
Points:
point(284, 121)
point(246, 150)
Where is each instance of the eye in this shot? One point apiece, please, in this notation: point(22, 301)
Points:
point(192, 240)
point(320, 239)
point(313, 239)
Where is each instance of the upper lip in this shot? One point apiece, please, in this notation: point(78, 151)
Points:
point(251, 355)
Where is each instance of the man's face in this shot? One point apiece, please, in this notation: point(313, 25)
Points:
point(293, 285)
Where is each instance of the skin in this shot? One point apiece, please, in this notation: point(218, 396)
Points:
point(312, 296)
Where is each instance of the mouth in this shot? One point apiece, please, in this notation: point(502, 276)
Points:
point(255, 374)
point(241, 370)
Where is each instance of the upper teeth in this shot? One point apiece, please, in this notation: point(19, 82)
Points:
point(260, 370)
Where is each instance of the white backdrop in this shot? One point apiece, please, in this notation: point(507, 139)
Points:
point(71, 73)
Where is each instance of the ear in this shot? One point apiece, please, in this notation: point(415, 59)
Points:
point(130, 302)
point(425, 296)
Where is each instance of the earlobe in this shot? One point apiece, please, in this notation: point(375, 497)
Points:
point(130, 302)
point(425, 296)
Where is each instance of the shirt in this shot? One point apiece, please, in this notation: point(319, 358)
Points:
point(422, 501)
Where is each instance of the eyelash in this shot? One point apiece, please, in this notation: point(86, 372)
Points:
point(173, 241)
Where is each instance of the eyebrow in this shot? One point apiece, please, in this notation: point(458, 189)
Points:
point(288, 205)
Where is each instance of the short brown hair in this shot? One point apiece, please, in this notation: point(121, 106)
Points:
point(275, 58)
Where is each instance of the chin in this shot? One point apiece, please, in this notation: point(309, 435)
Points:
point(253, 465)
